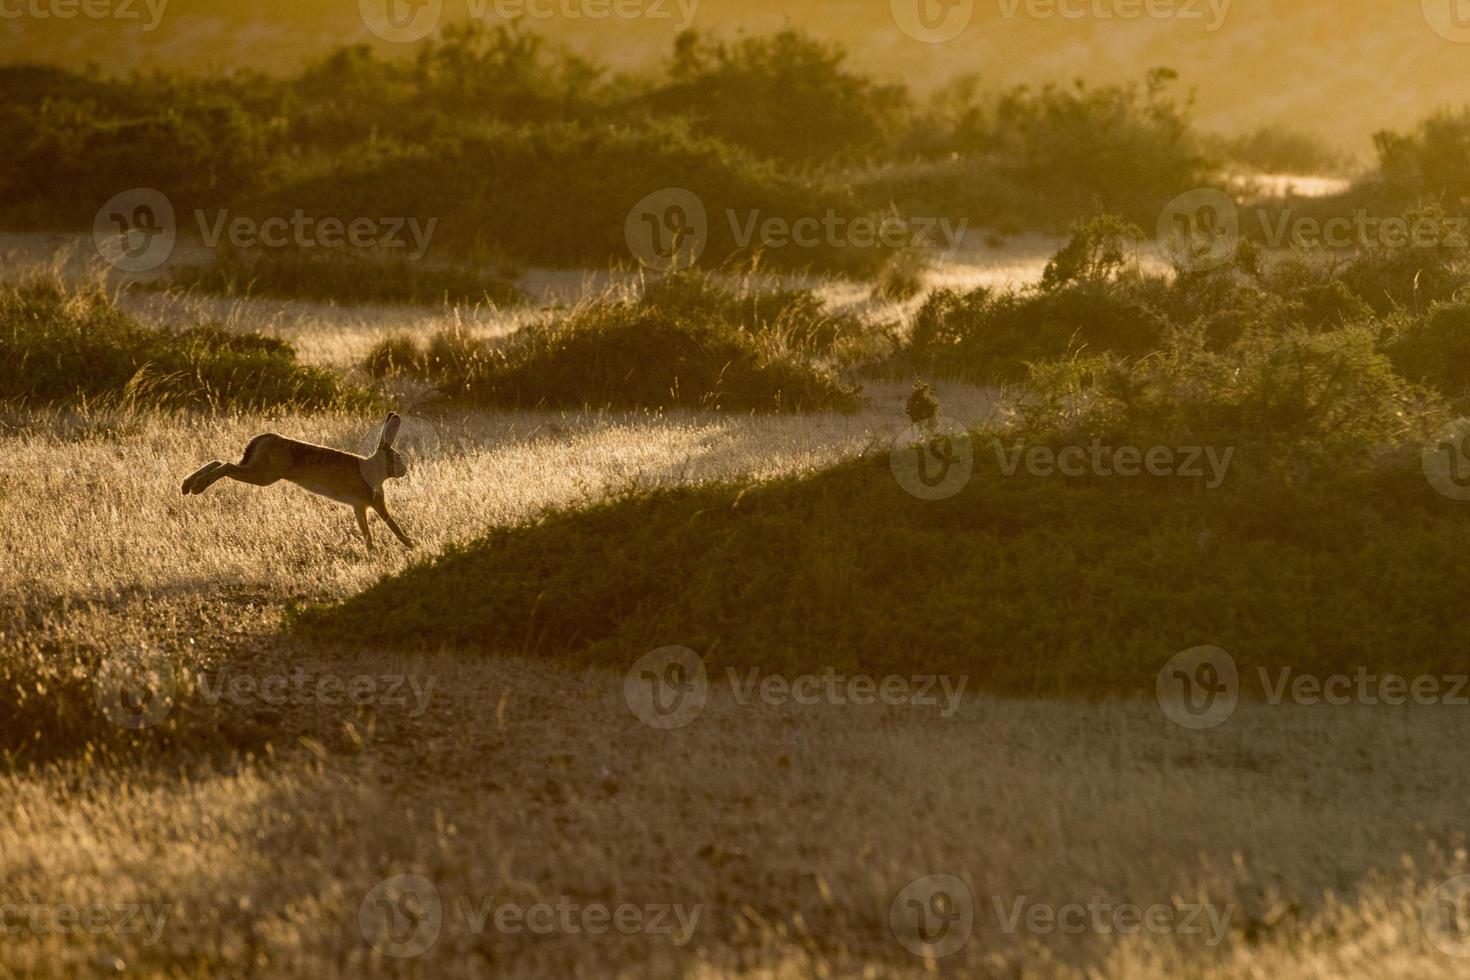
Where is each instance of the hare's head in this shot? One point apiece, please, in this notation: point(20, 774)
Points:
point(395, 465)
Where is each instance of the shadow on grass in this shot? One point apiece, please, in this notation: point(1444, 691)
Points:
point(1028, 585)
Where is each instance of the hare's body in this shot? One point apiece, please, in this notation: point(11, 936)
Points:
point(356, 481)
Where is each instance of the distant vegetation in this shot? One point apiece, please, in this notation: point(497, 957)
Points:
point(60, 345)
point(522, 149)
point(1278, 149)
point(1367, 326)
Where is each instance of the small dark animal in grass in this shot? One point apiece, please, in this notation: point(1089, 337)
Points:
point(353, 480)
point(923, 403)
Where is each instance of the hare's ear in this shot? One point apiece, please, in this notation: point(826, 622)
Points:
point(390, 431)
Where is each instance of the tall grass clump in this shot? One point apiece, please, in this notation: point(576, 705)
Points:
point(689, 339)
point(60, 345)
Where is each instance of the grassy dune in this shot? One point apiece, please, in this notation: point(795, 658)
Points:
point(501, 760)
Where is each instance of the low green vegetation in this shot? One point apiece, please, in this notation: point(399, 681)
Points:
point(1291, 416)
point(1097, 301)
point(61, 345)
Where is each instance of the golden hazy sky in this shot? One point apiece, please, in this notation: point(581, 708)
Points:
point(1342, 68)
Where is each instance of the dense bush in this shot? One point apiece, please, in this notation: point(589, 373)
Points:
point(62, 346)
point(1432, 161)
point(747, 94)
point(1434, 350)
point(1044, 156)
point(1094, 299)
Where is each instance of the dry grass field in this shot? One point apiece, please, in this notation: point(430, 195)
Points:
point(264, 825)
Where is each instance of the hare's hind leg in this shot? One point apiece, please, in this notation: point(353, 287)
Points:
point(192, 482)
point(246, 471)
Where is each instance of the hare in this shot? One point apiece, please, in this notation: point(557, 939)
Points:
point(344, 477)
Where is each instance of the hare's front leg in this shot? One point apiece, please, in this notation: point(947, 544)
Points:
point(381, 506)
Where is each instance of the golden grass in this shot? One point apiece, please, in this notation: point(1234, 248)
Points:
point(793, 829)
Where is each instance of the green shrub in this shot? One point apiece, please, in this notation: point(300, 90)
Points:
point(1434, 349)
point(747, 93)
point(1432, 161)
point(61, 346)
point(1335, 391)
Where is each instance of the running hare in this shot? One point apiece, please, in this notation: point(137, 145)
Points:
point(348, 479)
